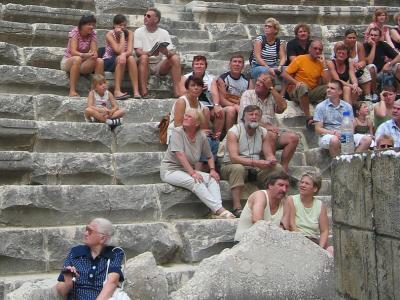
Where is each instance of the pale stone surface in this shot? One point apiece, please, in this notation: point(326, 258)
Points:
point(44, 57)
point(16, 106)
point(128, 6)
point(225, 31)
point(144, 279)
point(9, 54)
point(17, 135)
point(138, 137)
point(178, 274)
point(73, 137)
point(197, 246)
point(39, 290)
point(268, 263)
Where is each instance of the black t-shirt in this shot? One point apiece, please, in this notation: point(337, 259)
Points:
point(382, 49)
point(293, 48)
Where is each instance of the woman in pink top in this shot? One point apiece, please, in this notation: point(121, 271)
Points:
point(118, 54)
point(379, 19)
point(80, 57)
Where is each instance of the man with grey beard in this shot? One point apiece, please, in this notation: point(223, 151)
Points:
point(271, 102)
point(246, 148)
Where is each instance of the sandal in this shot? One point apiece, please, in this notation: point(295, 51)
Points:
point(226, 214)
point(122, 97)
point(237, 212)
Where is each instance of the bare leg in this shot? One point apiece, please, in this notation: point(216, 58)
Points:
point(118, 114)
point(118, 76)
point(346, 94)
point(236, 193)
point(364, 144)
point(366, 87)
point(334, 146)
point(373, 79)
point(173, 65)
point(133, 75)
point(230, 116)
point(305, 105)
point(289, 141)
point(74, 74)
point(143, 74)
point(91, 112)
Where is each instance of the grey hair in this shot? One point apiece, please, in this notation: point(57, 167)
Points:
point(397, 102)
point(104, 226)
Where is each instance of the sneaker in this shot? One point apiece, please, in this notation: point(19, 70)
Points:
point(375, 98)
point(368, 98)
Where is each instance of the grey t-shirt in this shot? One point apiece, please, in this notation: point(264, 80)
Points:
point(180, 143)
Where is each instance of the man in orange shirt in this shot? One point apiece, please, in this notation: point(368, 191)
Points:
point(307, 73)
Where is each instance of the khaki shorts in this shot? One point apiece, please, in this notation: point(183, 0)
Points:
point(315, 95)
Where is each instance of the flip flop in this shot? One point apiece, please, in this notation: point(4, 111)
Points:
point(122, 97)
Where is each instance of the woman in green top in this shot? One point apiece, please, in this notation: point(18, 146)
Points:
point(309, 215)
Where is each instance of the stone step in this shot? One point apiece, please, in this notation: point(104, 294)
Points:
point(70, 109)
point(34, 80)
point(78, 4)
point(178, 274)
point(43, 249)
point(220, 12)
point(20, 167)
point(307, 2)
point(43, 136)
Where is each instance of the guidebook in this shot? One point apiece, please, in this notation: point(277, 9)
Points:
point(157, 46)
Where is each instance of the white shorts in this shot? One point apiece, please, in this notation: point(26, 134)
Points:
point(358, 137)
point(325, 140)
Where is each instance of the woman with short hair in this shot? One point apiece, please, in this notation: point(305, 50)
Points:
point(187, 144)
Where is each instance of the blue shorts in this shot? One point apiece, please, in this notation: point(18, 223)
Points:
point(109, 63)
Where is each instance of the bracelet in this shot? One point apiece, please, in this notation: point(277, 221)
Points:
point(212, 169)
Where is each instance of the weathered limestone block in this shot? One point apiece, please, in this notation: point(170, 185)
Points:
point(73, 137)
point(128, 6)
point(59, 108)
point(138, 137)
point(144, 279)
point(177, 275)
point(44, 57)
point(17, 134)
point(9, 54)
point(55, 205)
point(145, 110)
point(214, 12)
point(15, 33)
point(135, 168)
point(221, 31)
point(352, 191)
point(386, 193)
point(16, 106)
point(34, 13)
point(268, 263)
point(355, 262)
point(15, 167)
point(388, 267)
point(197, 246)
point(39, 290)
point(72, 168)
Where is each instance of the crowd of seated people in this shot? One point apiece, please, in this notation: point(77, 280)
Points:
point(235, 114)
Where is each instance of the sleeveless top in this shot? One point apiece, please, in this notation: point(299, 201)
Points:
point(345, 76)
point(363, 129)
point(101, 101)
point(109, 52)
point(379, 120)
point(83, 42)
point(307, 219)
point(396, 44)
point(245, 221)
point(171, 125)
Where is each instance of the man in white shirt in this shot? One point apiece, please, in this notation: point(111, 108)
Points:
point(162, 61)
point(392, 126)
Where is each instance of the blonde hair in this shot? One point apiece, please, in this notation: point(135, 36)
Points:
point(275, 23)
point(341, 46)
point(198, 115)
point(97, 79)
point(396, 17)
point(378, 12)
point(316, 178)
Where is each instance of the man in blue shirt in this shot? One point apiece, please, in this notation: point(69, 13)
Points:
point(329, 115)
point(84, 275)
point(392, 126)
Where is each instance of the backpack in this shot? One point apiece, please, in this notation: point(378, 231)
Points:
point(264, 41)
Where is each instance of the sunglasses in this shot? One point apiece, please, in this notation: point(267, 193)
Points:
point(90, 230)
point(385, 146)
point(147, 16)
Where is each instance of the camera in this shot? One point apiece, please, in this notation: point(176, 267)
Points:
point(359, 73)
point(252, 175)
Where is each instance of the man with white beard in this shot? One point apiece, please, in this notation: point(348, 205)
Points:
point(271, 102)
point(246, 148)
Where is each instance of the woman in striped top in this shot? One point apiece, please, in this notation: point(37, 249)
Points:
point(269, 53)
point(118, 54)
point(80, 57)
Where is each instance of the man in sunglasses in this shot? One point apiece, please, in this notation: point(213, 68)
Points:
point(305, 75)
point(384, 142)
point(392, 126)
point(85, 267)
point(160, 62)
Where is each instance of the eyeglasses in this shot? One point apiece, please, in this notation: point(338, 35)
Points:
point(385, 146)
point(90, 230)
point(147, 16)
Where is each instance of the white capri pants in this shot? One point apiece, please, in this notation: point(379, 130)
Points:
point(207, 191)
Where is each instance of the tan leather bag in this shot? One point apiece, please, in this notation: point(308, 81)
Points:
point(163, 127)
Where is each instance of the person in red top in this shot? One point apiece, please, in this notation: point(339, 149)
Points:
point(305, 74)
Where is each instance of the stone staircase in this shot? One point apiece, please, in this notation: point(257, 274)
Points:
point(57, 172)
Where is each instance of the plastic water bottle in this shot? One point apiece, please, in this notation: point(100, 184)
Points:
point(346, 134)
